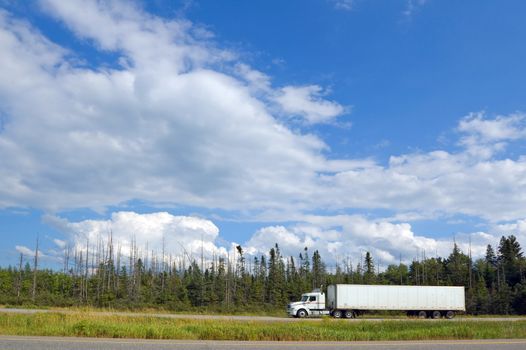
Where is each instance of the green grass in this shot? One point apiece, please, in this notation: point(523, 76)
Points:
point(233, 311)
point(91, 325)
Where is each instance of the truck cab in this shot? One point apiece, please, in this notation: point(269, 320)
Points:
point(311, 304)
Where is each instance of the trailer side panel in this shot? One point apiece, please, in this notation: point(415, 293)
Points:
point(381, 297)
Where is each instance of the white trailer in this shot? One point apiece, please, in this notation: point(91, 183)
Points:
point(350, 300)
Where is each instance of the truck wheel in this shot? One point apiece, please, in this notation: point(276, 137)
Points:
point(450, 315)
point(337, 314)
point(436, 314)
point(422, 314)
point(302, 313)
point(349, 314)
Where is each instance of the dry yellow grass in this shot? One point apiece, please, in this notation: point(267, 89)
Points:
point(96, 325)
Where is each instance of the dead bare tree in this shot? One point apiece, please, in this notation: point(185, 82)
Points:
point(116, 280)
point(35, 268)
point(86, 271)
point(163, 269)
point(19, 280)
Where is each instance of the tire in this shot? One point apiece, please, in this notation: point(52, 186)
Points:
point(450, 315)
point(422, 314)
point(337, 314)
point(436, 314)
point(349, 314)
point(302, 313)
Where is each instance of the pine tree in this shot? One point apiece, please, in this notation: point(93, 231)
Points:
point(257, 291)
point(510, 259)
point(369, 275)
point(457, 266)
point(318, 271)
point(276, 278)
point(519, 299)
point(396, 274)
point(482, 297)
point(490, 266)
point(305, 271)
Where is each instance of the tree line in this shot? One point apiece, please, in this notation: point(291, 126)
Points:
point(495, 284)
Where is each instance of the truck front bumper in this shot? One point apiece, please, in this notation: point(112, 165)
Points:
point(291, 312)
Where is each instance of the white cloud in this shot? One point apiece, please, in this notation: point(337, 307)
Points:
point(60, 243)
point(25, 250)
point(307, 102)
point(338, 238)
point(29, 254)
point(142, 39)
point(344, 237)
point(304, 102)
point(266, 237)
point(500, 128)
point(484, 137)
point(183, 236)
point(517, 228)
point(165, 127)
point(433, 184)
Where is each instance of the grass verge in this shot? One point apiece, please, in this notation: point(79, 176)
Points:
point(86, 325)
point(266, 311)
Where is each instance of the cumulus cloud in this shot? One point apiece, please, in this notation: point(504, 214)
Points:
point(517, 228)
point(25, 250)
point(29, 254)
point(348, 237)
point(483, 137)
point(164, 126)
point(183, 237)
point(436, 182)
point(60, 243)
point(266, 237)
point(500, 128)
point(473, 181)
point(306, 101)
point(338, 238)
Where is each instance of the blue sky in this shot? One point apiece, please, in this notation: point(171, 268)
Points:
point(340, 125)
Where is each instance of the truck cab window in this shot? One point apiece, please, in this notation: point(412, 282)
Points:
point(313, 298)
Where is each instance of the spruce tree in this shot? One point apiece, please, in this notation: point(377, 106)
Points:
point(318, 270)
point(369, 275)
point(510, 259)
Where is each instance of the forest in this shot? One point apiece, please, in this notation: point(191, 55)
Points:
point(495, 284)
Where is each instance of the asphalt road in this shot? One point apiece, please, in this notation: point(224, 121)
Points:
point(56, 343)
point(246, 318)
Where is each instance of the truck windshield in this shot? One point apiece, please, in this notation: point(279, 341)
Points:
point(305, 298)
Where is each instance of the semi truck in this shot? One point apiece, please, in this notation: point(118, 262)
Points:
point(352, 300)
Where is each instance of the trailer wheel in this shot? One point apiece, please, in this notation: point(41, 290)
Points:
point(302, 313)
point(450, 314)
point(422, 314)
point(349, 314)
point(337, 314)
point(436, 314)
